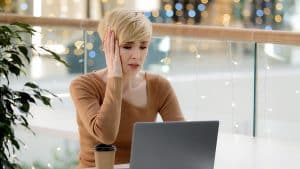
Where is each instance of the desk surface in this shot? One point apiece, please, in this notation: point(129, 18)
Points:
point(244, 152)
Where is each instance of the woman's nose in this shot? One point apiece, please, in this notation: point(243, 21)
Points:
point(136, 54)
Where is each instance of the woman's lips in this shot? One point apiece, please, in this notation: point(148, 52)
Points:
point(134, 66)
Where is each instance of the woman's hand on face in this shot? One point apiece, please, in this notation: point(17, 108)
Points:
point(112, 55)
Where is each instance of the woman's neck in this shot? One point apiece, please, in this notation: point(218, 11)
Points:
point(130, 82)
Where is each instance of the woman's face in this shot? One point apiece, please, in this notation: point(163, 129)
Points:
point(133, 56)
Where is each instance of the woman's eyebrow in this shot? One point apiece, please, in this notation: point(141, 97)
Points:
point(128, 43)
point(131, 43)
point(144, 42)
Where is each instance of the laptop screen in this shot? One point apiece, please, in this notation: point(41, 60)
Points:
point(174, 145)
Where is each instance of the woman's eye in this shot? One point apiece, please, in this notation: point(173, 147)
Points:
point(143, 47)
point(127, 47)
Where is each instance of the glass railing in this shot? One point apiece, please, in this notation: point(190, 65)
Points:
point(241, 78)
point(278, 91)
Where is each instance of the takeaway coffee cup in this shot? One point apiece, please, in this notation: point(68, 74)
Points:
point(105, 156)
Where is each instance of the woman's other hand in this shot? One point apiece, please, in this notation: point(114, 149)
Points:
point(112, 55)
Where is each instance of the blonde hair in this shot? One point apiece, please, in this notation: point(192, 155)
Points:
point(129, 26)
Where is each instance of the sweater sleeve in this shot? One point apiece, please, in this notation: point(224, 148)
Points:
point(169, 108)
point(101, 120)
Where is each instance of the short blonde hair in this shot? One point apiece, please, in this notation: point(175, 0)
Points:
point(128, 25)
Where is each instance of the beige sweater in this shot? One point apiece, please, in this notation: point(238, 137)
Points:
point(104, 117)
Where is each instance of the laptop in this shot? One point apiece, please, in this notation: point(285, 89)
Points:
point(174, 145)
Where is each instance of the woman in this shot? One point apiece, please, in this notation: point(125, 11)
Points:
point(109, 101)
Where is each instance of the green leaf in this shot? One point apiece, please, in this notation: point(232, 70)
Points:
point(3, 154)
point(17, 60)
point(25, 122)
point(11, 67)
point(37, 94)
point(14, 69)
point(24, 26)
point(7, 29)
point(8, 106)
point(55, 56)
point(25, 97)
point(3, 71)
point(46, 100)
point(24, 51)
point(31, 85)
point(28, 58)
point(25, 107)
point(4, 127)
point(15, 142)
point(54, 95)
point(11, 52)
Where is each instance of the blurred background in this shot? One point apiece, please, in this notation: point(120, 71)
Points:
point(264, 14)
point(213, 79)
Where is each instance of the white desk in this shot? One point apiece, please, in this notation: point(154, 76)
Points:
point(244, 152)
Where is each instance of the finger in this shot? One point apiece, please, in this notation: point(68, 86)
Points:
point(107, 38)
point(117, 51)
point(117, 60)
point(104, 40)
point(106, 49)
point(108, 44)
point(112, 45)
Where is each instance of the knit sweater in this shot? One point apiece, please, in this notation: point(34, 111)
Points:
point(103, 116)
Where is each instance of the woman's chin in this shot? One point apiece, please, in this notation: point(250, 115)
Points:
point(131, 72)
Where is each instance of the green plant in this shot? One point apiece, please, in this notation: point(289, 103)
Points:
point(15, 55)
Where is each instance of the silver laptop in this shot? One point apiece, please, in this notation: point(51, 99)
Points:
point(174, 145)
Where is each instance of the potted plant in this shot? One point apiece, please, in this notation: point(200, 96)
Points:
point(15, 54)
